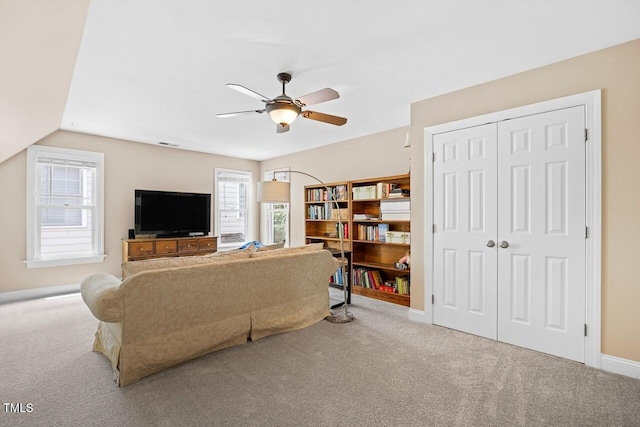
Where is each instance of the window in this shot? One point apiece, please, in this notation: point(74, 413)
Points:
point(64, 207)
point(232, 196)
point(277, 214)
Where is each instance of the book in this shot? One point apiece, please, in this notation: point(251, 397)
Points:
point(382, 190)
point(382, 232)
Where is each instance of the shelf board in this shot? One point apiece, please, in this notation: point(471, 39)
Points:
point(324, 220)
point(320, 202)
point(373, 242)
point(333, 239)
point(382, 221)
point(381, 295)
point(377, 200)
point(379, 266)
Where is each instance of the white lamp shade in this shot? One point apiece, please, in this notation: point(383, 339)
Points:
point(283, 115)
point(274, 192)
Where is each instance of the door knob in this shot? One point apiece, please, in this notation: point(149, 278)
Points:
point(491, 243)
point(504, 244)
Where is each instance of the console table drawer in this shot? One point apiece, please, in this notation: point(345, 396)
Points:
point(207, 245)
point(140, 248)
point(167, 247)
point(137, 249)
point(190, 245)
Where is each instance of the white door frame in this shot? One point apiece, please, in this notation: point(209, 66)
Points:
point(592, 102)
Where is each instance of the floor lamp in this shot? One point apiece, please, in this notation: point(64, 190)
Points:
point(280, 192)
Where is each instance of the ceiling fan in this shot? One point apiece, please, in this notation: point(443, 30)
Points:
point(283, 110)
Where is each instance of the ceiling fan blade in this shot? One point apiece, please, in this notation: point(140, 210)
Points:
point(238, 113)
point(326, 118)
point(282, 129)
point(319, 96)
point(247, 91)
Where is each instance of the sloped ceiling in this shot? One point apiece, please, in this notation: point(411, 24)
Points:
point(155, 70)
point(39, 42)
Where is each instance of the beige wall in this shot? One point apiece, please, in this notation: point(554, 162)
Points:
point(128, 166)
point(39, 43)
point(376, 155)
point(131, 165)
point(615, 70)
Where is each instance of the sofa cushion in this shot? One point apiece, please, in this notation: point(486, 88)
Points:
point(133, 267)
point(285, 251)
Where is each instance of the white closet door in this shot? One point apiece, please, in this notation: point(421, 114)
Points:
point(465, 270)
point(541, 213)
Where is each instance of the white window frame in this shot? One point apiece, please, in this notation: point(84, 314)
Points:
point(268, 208)
point(34, 258)
point(247, 214)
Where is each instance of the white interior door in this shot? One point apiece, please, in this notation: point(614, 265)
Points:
point(521, 184)
point(465, 268)
point(541, 212)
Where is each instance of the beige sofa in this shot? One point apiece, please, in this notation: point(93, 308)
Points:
point(164, 312)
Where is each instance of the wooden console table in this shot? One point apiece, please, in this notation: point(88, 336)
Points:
point(137, 249)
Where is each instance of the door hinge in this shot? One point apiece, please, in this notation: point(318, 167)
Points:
point(433, 228)
point(433, 299)
point(586, 232)
point(586, 135)
point(585, 329)
point(433, 157)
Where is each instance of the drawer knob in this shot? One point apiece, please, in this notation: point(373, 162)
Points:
point(166, 247)
point(142, 249)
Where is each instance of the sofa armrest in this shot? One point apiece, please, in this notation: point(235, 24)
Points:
point(101, 293)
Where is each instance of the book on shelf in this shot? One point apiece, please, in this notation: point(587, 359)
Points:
point(371, 278)
point(396, 216)
point(382, 190)
point(338, 193)
point(337, 277)
point(402, 285)
point(323, 211)
point(367, 232)
point(345, 230)
point(364, 217)
point(367, 278)
point(383, 229)
point(398, 194)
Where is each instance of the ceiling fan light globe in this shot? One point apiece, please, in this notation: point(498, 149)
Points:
point(283, 114)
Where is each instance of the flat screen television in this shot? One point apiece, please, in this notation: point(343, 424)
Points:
point(172, 214)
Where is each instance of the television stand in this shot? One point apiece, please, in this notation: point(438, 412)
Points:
point(137, 249)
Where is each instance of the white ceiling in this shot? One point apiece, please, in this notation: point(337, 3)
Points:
point(155, 70)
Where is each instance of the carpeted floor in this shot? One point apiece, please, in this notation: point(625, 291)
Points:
point(381, 370)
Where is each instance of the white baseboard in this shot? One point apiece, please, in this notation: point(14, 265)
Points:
point(418, 316)
point(620, 366)
point(15, 296)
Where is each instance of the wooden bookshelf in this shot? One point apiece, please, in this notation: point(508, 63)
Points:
point(364, 226)
point(321, 220)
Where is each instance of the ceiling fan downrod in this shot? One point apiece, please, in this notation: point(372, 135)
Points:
point(284, 78)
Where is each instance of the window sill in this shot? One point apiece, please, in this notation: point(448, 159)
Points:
point(40, 263)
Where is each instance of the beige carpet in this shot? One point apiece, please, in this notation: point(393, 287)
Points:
point(381, 370)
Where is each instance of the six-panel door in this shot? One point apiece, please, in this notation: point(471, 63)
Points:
point(518, 186)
